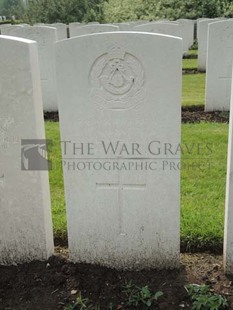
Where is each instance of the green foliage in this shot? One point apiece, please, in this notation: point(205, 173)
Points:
point(140, 295)
point(66, 11)
point(125, 10)
point(194, 46)
point(1, 4)
point(82, 304)
point(49, 11)
point(203, 299)
point(11, 7)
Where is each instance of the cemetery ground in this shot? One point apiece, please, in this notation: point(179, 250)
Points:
point(60, 284)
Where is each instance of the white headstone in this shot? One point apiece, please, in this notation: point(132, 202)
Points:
point(122, 88)
point(76, 24)
point(73, 26)
point(167, 21)
point(61, 30)
point(3, 26)
point(168, 28)
point(124, 26)
point(202, 42)
point(188, 32)
point(45, 37)
point(8, 29)
point(89, 29)
point(139, 22)
point(198, 24)
point(219, 66)
point(25, 221)
point(228, 229)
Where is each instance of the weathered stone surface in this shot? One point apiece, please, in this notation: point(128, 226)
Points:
point(25, 215)
point(45, 37)
point(125, 89)
point(76, 30)
point(219, 66)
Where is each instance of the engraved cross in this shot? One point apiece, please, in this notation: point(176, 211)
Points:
point(120, 187)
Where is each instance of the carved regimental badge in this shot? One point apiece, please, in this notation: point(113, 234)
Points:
point(117, 80)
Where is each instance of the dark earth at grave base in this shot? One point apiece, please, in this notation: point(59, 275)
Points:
point(190, 114)
point(55, 284)
point(196, 114)
point(190, 56)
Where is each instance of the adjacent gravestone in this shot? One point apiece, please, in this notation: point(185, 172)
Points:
point(8, 29)
point(61, 30)
point(73, 26)
point(187, 26)
point(139, 22)
point(124, 26)
point(168, 28)
point(25, 221)
point(119, 100)
point(45, 37)
point(78, 31)
point(198, 24)
point(3, 26)
point(202, 42)
point(219, 66)
point(228, 230)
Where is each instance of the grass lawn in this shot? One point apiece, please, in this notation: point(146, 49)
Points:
point(189, 63)
point(202, 191)
point(193, 52)
point(56, 180)
point(193, 84)
point(193, 89)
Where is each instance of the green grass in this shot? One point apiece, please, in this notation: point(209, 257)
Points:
point(56, 180)
point(189, 63)
point(193, 89)
point(193, 84)
point(202, 191)
point(193, 52)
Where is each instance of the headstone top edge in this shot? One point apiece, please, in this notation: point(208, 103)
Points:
point(117, 33)
point(12, 38)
